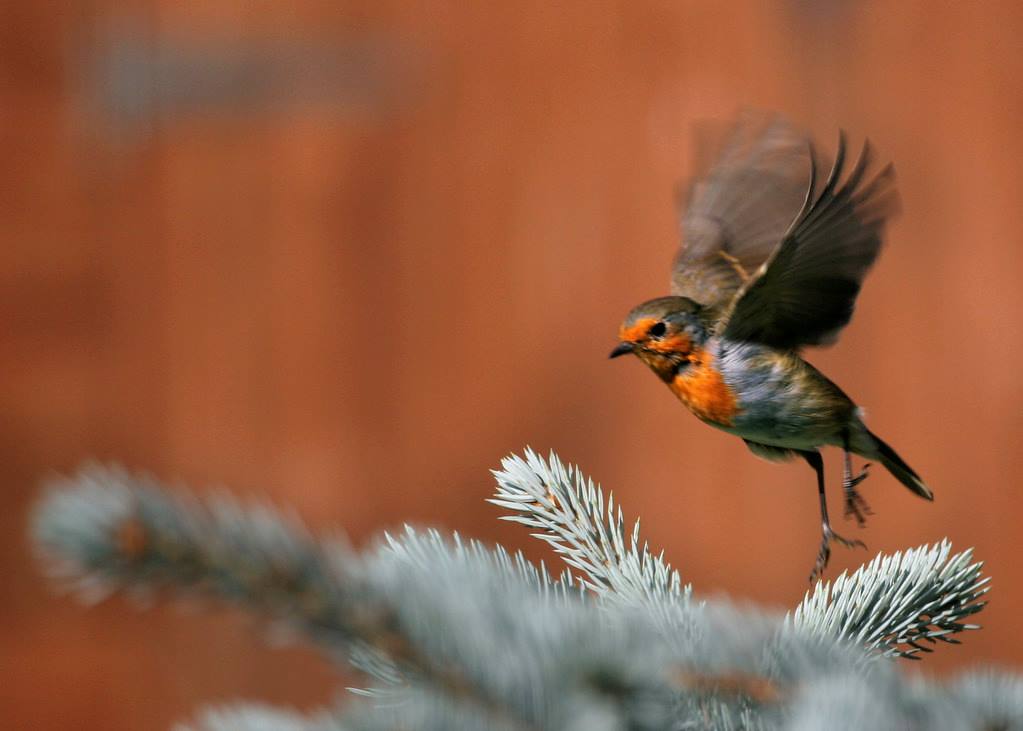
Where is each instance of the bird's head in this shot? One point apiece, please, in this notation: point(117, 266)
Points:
point(664, 333)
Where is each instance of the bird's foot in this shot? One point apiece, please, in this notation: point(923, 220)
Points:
point(824, 554)
point(855, 505)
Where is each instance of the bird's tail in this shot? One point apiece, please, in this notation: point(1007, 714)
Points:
point(897, 466)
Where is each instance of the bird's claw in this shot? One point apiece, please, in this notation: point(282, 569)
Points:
point(824, 554)
point(855, 505)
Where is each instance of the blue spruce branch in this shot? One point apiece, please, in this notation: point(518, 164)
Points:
point(584, 528)
point(894, 603)
point(460, 636)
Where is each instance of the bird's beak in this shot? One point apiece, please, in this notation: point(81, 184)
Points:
point(622, 349)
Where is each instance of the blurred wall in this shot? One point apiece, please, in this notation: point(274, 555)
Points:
point(349, 255)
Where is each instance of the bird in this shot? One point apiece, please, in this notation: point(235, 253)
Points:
point(776, 242)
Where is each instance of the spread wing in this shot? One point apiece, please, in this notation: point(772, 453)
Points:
point(737, 212)
point(805, 292)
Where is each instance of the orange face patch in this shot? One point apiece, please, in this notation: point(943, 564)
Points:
point(704, 392)
point(677, 343)
point(673, 344)
point(637, 331)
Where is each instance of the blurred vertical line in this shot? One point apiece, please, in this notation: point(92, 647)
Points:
point(818, 34)
point(118, 154)
point(111, 53)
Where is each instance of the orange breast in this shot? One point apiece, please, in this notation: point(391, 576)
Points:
point(701, 388)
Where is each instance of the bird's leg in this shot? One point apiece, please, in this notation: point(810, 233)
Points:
point(827, 534)
point(855, 505)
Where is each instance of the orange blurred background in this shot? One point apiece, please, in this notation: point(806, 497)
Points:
point(349, 255)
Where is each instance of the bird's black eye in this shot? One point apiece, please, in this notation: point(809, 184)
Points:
point(657, 330)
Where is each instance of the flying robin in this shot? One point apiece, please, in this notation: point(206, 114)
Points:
point(773, 256)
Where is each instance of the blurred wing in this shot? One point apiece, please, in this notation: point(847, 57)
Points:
point(738, 211)
point(805, 292)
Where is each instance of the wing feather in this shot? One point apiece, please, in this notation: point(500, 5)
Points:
point(804, 293)
point(770, 453)
point(738, 211)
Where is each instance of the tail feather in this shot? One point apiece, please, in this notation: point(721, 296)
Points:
point(898, 467)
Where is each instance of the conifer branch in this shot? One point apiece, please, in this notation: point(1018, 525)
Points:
point(437, 613)
point(584, 528)
point(461, 636)
point(894, 603)
point(105, 530)
point(462, 631)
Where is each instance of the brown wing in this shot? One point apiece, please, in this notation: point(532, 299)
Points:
point(805, 292)
point(737, 213)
